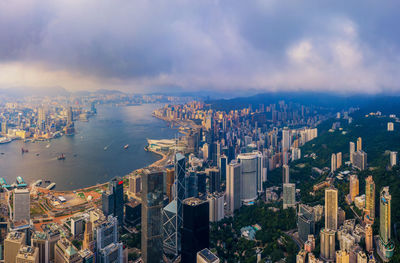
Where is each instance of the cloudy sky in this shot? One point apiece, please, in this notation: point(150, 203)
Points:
point(148, 45)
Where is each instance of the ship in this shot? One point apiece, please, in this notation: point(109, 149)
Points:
point(21, 182)
point(51, 186)
point(61, 157)
point(126, 146)
point(4, 140)
point(38, 183)
point(24, 150)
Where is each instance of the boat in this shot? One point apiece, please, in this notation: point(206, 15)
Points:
point(37, 154)
point(105, 148)
point(37, 183)
point(61, 157)
point(21, 182)
point(24, 150)
point(48, 145)
point(5, 140)
point(126, 146)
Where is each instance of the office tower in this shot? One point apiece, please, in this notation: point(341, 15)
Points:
point(327, 244)
point(216, 205)
point(354, 189)
point(249, 176)
point(289, 195)
point(333, 163)
point(191, 185)
point(301, 256)
point(21, 205)
point(331, 208)
point(360, 160)
point(359, 144)
point(285, 139)
point(222, 164)
point(214, 180)
point(352, 151)
point(233, 186)
point(12, 244)
point(87, 256)
point(206, 152)
point(202, 182)
point(285, 175)
point(133, 212)
point(385, 243)
point(370, 197)
point(106, 232)
point(206, 256)
point(305, 222)
point(195, 228)
point(70, 117)
point(170, 183)
point(88, 242)
point(342, 256)
point(369, 245)
point(135, 184)
point(390, 126)
point(65, 252)
point(44, 242)
point(338, 160)
point(27, 254)
point(113, 200)
point(393, 159)
point(111, 253)
point(76, 225)
point(216, 152)
point(41, 123)
point(152, 201)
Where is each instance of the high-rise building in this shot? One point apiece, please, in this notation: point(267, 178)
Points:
point(250, 173)
point(216, 205)
point(169, 183)
point(21, 205)
point(285, 139)
point(106, 232)
point(152, 201)
point(113, 200)
point(342, 256)
point(77, 223)
point(369, 245)
point(88, 241)
point(385, 243)
point(370, 198)
point(338, 160)
point(195, 229)
point(305, 222)
point(44, 242)
point(202, 182)
point(354, 187)
point(390, 126)
point(214, 180)
point(12, 244)
point(135, 184)
point(289, 195)
point(333, 163)
point(66, 252)
point(362, 257)
point(327, 244)
point(41, 123)
point(301, 256)
point(222, 164)
point(359, 144)
point(360, 160)
point(233, 186)
point(393, 159)
point(4, 129)
point(285, 175)
point(206, 256)
point(70, 116)
point(111, 253)
point(27, 254)
point(352, 151)
point(331, 208)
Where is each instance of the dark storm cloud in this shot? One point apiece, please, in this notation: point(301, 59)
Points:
point(266, 45)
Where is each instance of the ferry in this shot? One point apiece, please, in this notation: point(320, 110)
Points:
point(51, 186)
point(61, 157)
point(21, 182)
point(4, 184)
point(5, 140)
point(126, 146)
point(38, 183)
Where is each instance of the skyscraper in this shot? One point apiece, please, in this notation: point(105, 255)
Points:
point(285, 174)
point(222, 164)
point(289, 195)
point(88, 242)
point(305, 222)
point(393, 159)
point(12, 244)
point(333, 162)
point(369, 245)
point(352, 151)
point(360, 160)
point(354, 189)
point(216, 204)
point(135, 184)
point(331, 208)
point(233, 186)
point(27, 254)
point(195, 229)
point(285, 139)
point(327, 244)
point(359, 144)
point(152, 201)
point(250, 175)
point(342, 256)
point(385, 242)
point(169, 184)
point(338, 160)
point(370, 198)
point(21, 205)
point(113, 199)
point(214, 180)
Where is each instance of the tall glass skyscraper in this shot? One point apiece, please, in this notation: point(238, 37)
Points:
point(113, 200)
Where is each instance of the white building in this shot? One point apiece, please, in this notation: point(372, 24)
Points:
point(233, 186)
point(216, 206)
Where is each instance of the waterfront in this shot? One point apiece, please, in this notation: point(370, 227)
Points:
point(94, 154)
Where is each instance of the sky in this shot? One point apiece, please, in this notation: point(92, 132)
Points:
point(180, 45)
